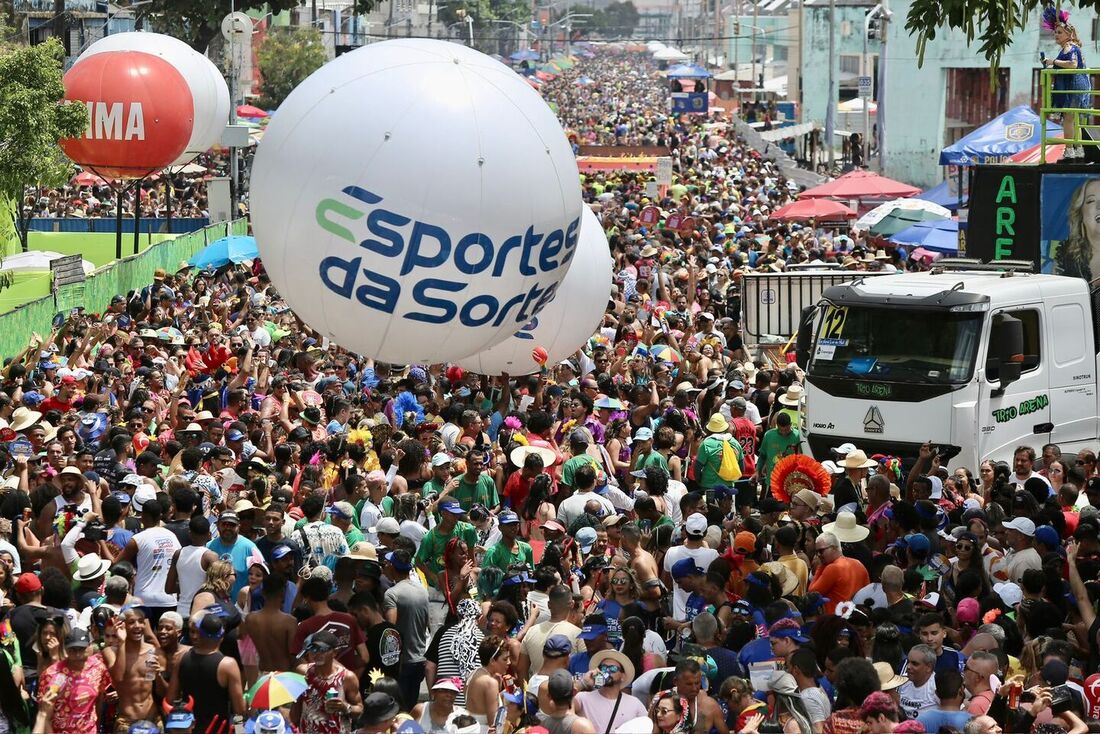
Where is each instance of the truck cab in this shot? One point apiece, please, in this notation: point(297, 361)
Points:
point(976, 360)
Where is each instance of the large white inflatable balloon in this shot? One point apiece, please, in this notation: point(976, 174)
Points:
point(568, 321)
point(415, 201)
point(208, 88)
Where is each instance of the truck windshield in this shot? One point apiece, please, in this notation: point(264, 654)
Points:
point(892, 344)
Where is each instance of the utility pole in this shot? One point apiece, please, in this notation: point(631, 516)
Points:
point(61, 24)
point(830, 110)
point(737, 51)
point(880, 117)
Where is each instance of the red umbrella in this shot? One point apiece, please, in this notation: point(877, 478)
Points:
point(822, 209)
point(861, 185)
point(87, 178)
point(247, 110)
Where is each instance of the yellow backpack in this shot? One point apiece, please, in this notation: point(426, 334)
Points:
point(730, 468)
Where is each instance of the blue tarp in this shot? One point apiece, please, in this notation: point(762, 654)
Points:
point(1016, 130)
point(688, 71)
point(938, 236)
point(943, 195)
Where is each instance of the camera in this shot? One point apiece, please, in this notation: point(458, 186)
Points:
point(95, 531)
point(1061, 699)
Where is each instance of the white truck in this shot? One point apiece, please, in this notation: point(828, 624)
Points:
point(977, 359)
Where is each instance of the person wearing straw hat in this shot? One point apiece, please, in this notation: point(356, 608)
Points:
point(791, 400)
point(849, 490)
point(708, 459)
point(606, 706)
point(839, 578)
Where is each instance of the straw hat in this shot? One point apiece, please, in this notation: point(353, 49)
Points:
point(786, 578)
point(889, 680)
point(846, 529)
point(881, 255)
point(793, 396)
point(520, 453)
point(24, 418)
point(614, 656)
point(856, 460)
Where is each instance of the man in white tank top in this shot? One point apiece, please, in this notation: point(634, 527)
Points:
point(189, 564)
point(151, 552)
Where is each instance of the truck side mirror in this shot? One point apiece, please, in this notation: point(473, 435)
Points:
point(1008, 336)
point(805, 337)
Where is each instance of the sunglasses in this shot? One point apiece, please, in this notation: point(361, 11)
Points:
point(963, 546)
point(663, 711)
point(620, 582)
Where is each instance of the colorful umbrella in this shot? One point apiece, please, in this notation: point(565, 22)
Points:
point(87, 178)
point(247, 110)
point(900, 219)
point(170, 334)
point(860, 185)
point(665, 353)
point(273, 690)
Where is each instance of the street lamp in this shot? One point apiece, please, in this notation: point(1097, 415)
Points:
point(872, 15)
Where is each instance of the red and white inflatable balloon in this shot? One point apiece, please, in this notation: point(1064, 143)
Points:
point(140, 109)
point(209, 92)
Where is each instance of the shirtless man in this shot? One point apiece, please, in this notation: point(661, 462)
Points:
point(140, 665)
point(702, 709)
point(169, 632)
point(270, 628)
point(642, 563)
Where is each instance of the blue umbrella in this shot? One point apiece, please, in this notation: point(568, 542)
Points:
point(941, 235)
point(232, 249)
point(526, 55)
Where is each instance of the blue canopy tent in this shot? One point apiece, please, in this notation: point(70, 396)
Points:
point(942, 194)
point(941, 236)
point(688, 71)
point(221, 252)
point(1003, 136)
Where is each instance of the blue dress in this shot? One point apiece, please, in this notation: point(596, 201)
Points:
point(1069, 84)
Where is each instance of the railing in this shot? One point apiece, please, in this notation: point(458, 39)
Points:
point(119, 277)
point(1082, 117)
point(177, 225)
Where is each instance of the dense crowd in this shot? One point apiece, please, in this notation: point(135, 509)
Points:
point(260, 529)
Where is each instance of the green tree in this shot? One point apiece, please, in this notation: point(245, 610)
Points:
point(32, 119)
point(197, 22)
point(286, 58)
point(992, 22)
point(619, 19)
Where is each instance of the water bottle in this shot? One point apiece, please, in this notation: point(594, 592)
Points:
point(150, 665)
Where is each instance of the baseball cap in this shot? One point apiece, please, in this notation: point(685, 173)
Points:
point(387, 525)
point(741, 607)
point(586, 539)
point(398, 562)
point(441, 459)
point(918, 543)
point(281, 551)
point(696, 525)
point(28, 583)
point(556, 646)
point(211, 626)
point(560, 685)
point(143, 494)
point(508, 518)
point(452, 507)
point(448, 684)
point(744, 541)
point(229, 517)
point(1011, 594)
point(789, 629)
point(234, 435)
point(1021, 525)
point(591, 631)
point(1048, 536)
point(270, 722)
point(78, 637)
point(686, 567)
point(320, 641)
point(643, 434)
point(341, 509)
point(179, 720)
point(143, 727)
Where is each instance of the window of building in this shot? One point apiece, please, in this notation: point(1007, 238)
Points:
point(973, 98)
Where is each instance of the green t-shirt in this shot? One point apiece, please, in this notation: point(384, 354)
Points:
point(657, 459)
point(432, 545)
point(774, 447)
point(499, 556)
point(353, 536)
point(484, 492)
point(569, 468)
point(708, 460)
point(431, 487)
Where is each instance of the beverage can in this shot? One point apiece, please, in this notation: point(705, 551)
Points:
point(331, 694)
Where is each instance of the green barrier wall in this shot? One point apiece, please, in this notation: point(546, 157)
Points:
point(131, 273)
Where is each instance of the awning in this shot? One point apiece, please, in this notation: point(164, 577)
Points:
point(791, 131)
point(590, 164)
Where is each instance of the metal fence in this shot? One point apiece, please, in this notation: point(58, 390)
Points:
point(119, 277)
point(158, 225)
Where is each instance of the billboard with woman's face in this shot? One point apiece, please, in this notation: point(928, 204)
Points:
point(1069, 239)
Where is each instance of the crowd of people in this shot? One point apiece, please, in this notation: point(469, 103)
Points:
point(262, 530)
